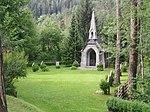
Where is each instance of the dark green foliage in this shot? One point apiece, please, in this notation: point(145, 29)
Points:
point(123, 69)
point(43, 7)
point(45, 69)
point(100, 67)
point(35, 67)
point(50, 39)
point(57, 67)
point(104, 85)
point(15, 65)
point(43, 66)
point(10, 89)
point(22, 35)
point(73, 68)
point(73, 44)
point(75, 63)
point(143, 96)
point(119, 105)
point(84, 14)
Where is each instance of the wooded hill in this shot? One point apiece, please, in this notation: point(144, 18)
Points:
point(41, 7)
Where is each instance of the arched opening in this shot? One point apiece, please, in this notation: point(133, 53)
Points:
point(91, 58)
point(91, 35)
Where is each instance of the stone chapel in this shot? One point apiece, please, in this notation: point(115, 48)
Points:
point(92, 53)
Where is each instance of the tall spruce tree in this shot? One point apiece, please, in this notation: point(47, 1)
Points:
point(133, 60)
point(84, 14)
point(73, 44)
point(118, 45)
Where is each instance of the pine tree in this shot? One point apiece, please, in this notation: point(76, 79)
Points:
point(73, 45)
point(84, 14)
point(118, 45)
point(133, 60)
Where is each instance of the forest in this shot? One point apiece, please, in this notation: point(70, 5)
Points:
point(35, 34)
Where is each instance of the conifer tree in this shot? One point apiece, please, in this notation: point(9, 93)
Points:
point(118, 45)
point(73, 44)
point(84, 14)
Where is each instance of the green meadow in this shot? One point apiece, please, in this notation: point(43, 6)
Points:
point(64, 90)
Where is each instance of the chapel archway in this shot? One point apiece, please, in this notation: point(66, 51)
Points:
point(91, 58)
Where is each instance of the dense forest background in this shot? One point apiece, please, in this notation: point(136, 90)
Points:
point(61, 10)
point(61, 13)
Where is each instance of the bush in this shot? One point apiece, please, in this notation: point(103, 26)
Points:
point(100, 67)
point(119, 105)
point(43, 66)
point(104, 86)
point(15, 65)
point(35, 67)
point(75, 63)
point(73, 68)
point(45, 69)
point(57, 67)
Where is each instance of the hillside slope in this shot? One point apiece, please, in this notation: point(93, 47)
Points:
point(17, 105)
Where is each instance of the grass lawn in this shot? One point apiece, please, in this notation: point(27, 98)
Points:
point(64, 90)
point(17, 105)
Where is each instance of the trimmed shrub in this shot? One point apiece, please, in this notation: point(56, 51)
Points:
point(43, 66)
point(57, 67)
point(119, 105)
point(45, 69)
point(73, 68)
point(75, 63)
point(104, 86)
point(35, 67)
point(100, 67)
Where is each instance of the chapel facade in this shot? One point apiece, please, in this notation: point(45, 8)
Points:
point(92, 54)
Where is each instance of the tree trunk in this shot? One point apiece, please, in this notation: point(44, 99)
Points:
point(118, 45)
point(133, 59)
point(3, 105)
point(142, 57)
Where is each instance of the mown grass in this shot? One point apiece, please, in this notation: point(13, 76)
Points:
point(17, 105)
point(64, 90)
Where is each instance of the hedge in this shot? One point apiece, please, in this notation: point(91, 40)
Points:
point(119, 105)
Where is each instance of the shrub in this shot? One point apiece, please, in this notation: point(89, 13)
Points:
point(45, 69)
point(104, 86)
point(57, 67)
point(73, 68)
point(75, 63)
point(119, 105)
point(15, 65)
point(43, 66)
point(100, 67)
point(35, 67)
